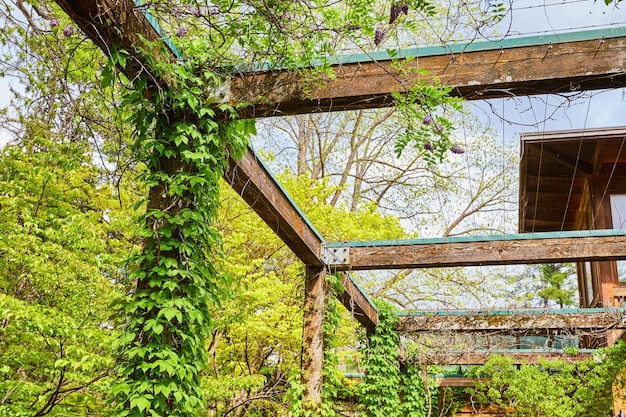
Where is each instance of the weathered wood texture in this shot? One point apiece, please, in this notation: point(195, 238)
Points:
point(479, 358)
point(107, 23)
point(250, 179)
point(458, 381)
point(120, 23)
point(474, 409)
point(514, 322)
point(504, 252)
point(524, 70)
point(476, 75)
point(313, 337)
point(358, 304)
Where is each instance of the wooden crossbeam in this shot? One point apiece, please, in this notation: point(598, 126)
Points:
point(251, 179)
point(514, 321)
point(358, 304)
point(518, 356)
point(545, 64)
point(482, 70)
point(508, 250)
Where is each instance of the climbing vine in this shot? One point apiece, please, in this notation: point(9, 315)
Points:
point(183, 150)
point(414, 397)
point(424, 111)
point(553, 388)
point(379, 394)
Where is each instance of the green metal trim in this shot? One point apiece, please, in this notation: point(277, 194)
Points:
point(511, 312)
point(506, 43)
point(358, 287)
point(457, 48)
point(523, 351)
point(483, 238)
point(155, 25)
point(288, 197)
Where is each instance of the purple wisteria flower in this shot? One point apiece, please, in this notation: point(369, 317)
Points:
point(196, 12)
point(405, 9)
point(428, 146)
point(182, 31)
point(54, 23)
point(427, 119)
point(457, 149)
point(214, 11)
point(379, 35)
point(394, 13)
point(68, 31)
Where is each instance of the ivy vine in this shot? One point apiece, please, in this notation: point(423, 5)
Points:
point(183, 148)
point(379, 394)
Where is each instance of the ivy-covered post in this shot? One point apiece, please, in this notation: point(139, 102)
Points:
point(313, 337)
point(167, 317)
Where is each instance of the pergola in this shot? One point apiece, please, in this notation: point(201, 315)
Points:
point(561, 63)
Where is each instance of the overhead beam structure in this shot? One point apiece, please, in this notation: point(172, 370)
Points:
point(518, 356)
point(569, 321)
point(545, 64)
point(553, 64)
point(122, 23)
point(524, 248)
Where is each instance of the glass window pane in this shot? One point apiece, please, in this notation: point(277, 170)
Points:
point(618, 214)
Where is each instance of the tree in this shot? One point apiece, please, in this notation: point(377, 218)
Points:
point(553, 280)
point(554, 388)
point(60, 267)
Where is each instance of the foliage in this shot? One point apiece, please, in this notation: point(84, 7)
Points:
point(379, 393)
point(414, 397)
point(553, 388)
point(553, 277)
point(426, 125)
point(60, 260)
point(167, 319)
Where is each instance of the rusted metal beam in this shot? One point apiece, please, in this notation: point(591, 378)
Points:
point(509, 250)
point(514, 321)
point(358, 304)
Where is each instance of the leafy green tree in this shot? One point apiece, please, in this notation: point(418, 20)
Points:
point(60, 262)
point(554, 283)
point(555, 388)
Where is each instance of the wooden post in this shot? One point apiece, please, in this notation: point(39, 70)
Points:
point(313, 338)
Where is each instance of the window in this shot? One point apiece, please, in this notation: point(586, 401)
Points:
point(618, 216)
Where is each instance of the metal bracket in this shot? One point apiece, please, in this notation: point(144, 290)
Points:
point(336, 256)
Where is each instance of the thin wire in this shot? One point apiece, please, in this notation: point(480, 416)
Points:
point(580, 146)
point(606, 188)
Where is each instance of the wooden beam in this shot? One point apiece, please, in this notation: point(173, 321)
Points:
point(566, 160)
point(251, 179)
point(518, 357)
point(514, 321)
point(458, 381)
point(313, 336)
point(511, 250)
point(119, 23)
point(358, 304)
point(106, 23)
point(482, 70)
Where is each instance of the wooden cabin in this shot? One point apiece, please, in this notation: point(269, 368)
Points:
point(576, 180)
